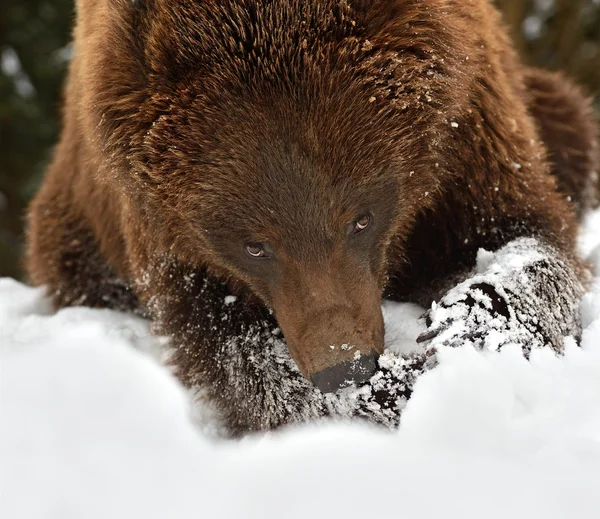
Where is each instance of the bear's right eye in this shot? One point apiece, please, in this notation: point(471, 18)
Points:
point(256, 250)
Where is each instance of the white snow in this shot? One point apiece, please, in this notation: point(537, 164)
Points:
point(92, 426)
point(229, 300)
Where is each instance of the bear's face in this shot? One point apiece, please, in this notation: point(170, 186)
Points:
point(304, 227)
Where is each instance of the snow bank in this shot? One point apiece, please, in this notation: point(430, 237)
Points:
point(91, 425)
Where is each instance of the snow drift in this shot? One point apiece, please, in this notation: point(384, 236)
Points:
point(91, 425)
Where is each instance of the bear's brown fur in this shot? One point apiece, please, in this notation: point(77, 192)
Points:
point(192, 128)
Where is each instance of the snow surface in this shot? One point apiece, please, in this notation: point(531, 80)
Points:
point(92, 426)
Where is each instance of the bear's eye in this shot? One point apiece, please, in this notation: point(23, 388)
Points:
point(256, 250)
point(362, 223)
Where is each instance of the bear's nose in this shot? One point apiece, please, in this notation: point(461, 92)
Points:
point(345, 373)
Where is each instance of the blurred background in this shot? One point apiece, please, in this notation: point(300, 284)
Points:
point(34, 54)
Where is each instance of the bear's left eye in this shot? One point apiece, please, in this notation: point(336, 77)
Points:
point(361, 223)
point(256, 250)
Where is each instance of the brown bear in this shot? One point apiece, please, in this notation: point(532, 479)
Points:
point(255, 176)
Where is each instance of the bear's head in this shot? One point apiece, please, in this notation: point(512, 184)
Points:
point(299, 206)
point(284, 146)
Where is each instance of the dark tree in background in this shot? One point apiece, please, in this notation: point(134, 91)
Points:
point(558, 34)
point(34, 53)
point(34, 35)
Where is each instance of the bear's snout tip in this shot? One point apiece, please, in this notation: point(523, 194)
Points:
point(344, 374)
